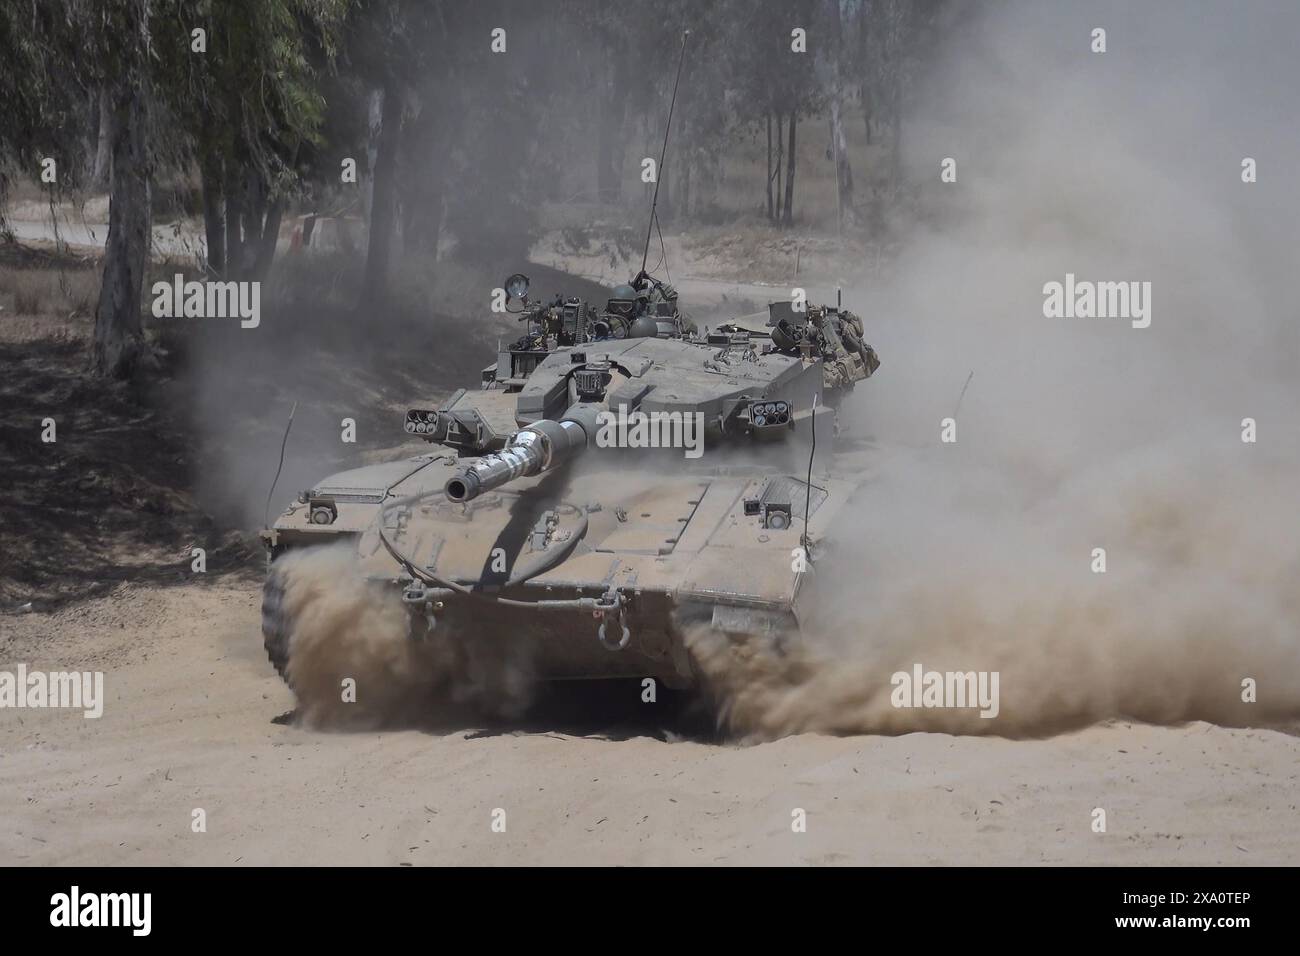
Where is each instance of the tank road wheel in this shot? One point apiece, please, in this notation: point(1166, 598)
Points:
point(275, 622)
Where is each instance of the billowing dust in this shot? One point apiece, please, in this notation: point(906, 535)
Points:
point(354, 662)
point(1075, 434)
point(1198, 603)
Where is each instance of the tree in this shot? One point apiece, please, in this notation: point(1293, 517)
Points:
point(383, 206)
point(618, 27)
point(386, 49)
point(44, 100)
point(250, 107)
point(774, 85)
point(123, 40)
point(894, 36)
point(103, 140)
point(787, 217)
point(839, 146)
point(59, 60)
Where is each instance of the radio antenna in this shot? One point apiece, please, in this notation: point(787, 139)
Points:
point(963, 390)
point(654, 205)
point(266, 515)
point(807, 503)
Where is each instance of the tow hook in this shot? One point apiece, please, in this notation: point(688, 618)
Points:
point(417, 593)
point(612, 604)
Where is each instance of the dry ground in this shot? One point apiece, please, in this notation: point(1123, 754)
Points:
point(190, 723)
point(96, 536)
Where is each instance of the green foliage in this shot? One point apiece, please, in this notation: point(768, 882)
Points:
point(44, 88)
point(284, 89)
point(254, 97)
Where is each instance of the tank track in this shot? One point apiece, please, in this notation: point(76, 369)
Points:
point(275, 623)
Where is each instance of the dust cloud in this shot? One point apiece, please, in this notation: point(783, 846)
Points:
point(344, 627)
point(1074, 433)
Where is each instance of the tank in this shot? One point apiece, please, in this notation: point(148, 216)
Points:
point(619, 478)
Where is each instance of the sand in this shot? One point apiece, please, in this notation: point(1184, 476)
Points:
point(189, 723)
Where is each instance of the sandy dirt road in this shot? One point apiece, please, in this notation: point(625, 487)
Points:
point(188, 723)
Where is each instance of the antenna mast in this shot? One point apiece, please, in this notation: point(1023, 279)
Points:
point(645, 256)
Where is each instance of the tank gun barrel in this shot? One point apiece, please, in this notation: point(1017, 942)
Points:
point(539, 447)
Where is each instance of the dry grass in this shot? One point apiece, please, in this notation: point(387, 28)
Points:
point(46, 293)
point(41, 291)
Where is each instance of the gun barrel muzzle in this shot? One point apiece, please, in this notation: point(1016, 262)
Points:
point(540, 447)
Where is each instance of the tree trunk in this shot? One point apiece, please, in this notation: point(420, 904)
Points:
point(843, 171)
point(453, 118)
point(119, 342)
point(789, 172)
point(839, 146)
point(103, 143)
point(269, 236)
point(437, 211)
point(684, 193)
point(383, 210)
point(895, 38)
point(424, 207)
point(769, 167)
point(618, 156)
point(234, 190)
point(214, 225)
point(419, 145)
point(254, 211)
point(780, 166)
point(428, 136)
point(615, 125)
point(374, 126)
point(896, 148)
point(863, 58)
point(607, 131)
point(864, 91)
